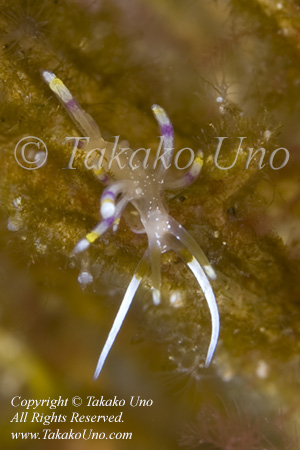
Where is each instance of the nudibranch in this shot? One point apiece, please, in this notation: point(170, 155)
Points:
point(144, 189)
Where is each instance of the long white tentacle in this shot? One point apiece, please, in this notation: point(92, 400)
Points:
point(212, 305)
point(184, 252)
point(119, 319)
point(189, 242)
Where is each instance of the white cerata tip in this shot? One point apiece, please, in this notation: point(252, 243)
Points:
point(81, 246)
point(107, 210)
point(48, 76)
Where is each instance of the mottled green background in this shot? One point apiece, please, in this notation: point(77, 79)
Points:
point(118, 58)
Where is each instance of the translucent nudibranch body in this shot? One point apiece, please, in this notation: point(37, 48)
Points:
point(144, 189)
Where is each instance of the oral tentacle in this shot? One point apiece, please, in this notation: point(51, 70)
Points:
point(119, 319)
point(205, 285)
point(189, 242)
point(207, 290)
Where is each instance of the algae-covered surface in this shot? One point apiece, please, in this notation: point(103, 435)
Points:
point(220, 69)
